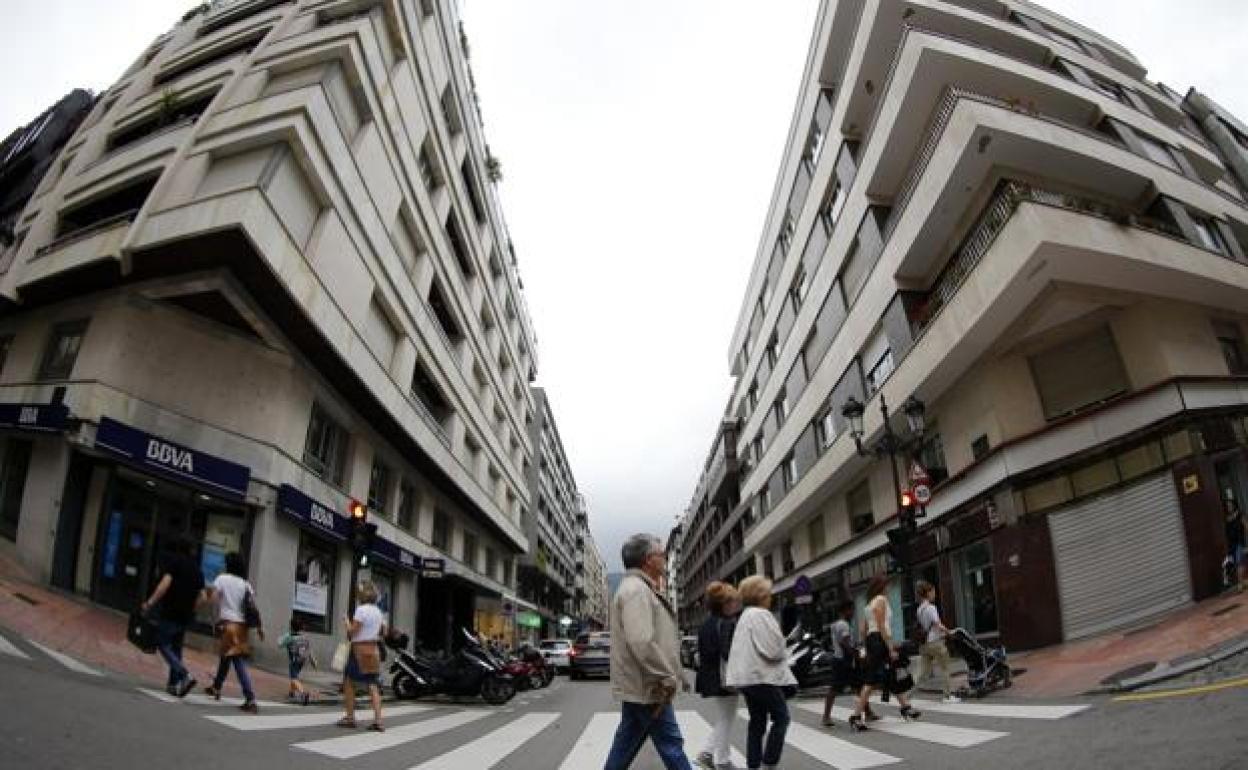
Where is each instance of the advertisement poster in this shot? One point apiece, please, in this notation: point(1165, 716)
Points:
point(313, 579)
point(211, 562)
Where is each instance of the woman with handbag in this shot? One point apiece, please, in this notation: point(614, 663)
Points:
point(714, 643)
point(758, 665)
point(236, 612)
point(365, 630)
point(878, 669)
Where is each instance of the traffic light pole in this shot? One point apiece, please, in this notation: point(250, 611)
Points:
point(890, 443)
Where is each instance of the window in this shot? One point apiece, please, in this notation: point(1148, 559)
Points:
point(441, 537)
point(1207, 233)
point(752, 394)
point(1232, 344)
point(786, 557)
point(1079, 373)
point(427, 7)
point(799, 289)
point(442, 312)
point(316, 565)
point(858, 501)
point(768, 571)
point(6, 344)
point(831, 209)
point(827, 428)
point(380, 332)
point(790, 471)
point(407, 505)
point(470, 550)
point(170, 112)
point(1110, 88)
point(122, 203)
point(814, 145)
point(1158, 151)
point(879, 372)
point(764, 501)
point(980, 447)
point(62, 350)
point(379, 488)
point(491, 562)
point(772, 344)
point(209, 58)
point(449, 112)
point(325, 451)
point(932, 455)
point(474, 192)
point(30, 137)
point(786, 233)
point(459, 246)
point(429, 173)
point(781, 408)
point(13, 470)
point(815, 536)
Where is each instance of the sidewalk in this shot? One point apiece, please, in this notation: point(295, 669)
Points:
point(97, 636)
point(1162, 648)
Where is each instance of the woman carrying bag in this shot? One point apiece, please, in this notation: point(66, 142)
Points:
point(365, 631)
point(879, 667)
point(236, 613)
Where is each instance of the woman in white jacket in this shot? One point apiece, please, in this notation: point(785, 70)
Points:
point(758, 666)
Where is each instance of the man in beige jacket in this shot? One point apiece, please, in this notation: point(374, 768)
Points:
point(645, 659)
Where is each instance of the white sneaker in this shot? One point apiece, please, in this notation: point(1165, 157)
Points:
point(951, 699)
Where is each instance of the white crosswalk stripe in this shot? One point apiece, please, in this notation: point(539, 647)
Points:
point(696, 730)
point(1001, 710)
point(290, 721)
point(66, 661)
point(948, 735)
point(361, 743)
point(493, 747)
point(832, 751)
point(8, 648)
point(595, 741)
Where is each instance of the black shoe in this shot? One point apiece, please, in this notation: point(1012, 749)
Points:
point(250, 707)
point(856, 724)
point(909, 712)
point(188, 684)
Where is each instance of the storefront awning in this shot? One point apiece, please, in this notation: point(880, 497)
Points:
point(41, 418)
point(178, 463)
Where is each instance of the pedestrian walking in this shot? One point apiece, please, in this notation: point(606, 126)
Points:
point(298, 654)
point(365, 630)
point(714, 644)
point(173, 602)
point(844, 657)
point(758, 666)
point(933, 651)
point(236, 602)
point(1235, 539)
point(645, 659)
point(878, 668)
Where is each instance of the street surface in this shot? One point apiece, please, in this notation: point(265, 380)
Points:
point(63, 714)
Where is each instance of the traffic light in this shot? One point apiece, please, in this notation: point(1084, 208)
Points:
point(906, 517)
point(898, 550)
point(362, 530)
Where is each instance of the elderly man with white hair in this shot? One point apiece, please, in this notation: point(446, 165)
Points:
point(645, 659)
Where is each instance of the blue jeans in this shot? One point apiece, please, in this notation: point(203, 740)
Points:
point(169, 637)
point(240, 669)
point(637, 720)
point(765, 701)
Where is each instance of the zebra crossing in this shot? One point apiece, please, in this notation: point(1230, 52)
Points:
point(431, 736)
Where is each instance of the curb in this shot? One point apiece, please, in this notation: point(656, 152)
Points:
point(1165, 671)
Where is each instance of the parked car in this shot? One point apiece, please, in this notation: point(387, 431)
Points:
point(590, 655)
point(689, 651)
point(555, 651)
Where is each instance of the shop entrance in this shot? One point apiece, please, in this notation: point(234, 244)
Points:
point(141, 516)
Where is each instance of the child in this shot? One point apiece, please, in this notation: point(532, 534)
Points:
point(298, 653)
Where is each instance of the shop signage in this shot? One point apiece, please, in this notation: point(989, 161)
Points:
point(157, 455)
point(432, 568)
point(529, 620)
point(311, 515)
point(395, 554)
point(39, 417)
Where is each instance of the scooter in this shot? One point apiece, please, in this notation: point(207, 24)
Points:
point(471, 671)
point(809, 660)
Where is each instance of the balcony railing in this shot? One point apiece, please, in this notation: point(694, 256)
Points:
point(125, 217)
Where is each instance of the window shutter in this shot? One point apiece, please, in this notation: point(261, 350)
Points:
point(1078, 373)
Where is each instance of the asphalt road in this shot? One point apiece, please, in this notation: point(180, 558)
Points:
point(56, 717)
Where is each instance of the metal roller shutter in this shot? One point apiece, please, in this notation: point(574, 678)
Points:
point(1120, 558)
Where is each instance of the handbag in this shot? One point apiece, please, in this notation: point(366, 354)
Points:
point(251, 615)
point(141, 631)
point(341, 654)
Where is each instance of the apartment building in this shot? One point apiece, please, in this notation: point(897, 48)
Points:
point(548, 573)
point(595, 606)
point(270, 276)
point(988, 209)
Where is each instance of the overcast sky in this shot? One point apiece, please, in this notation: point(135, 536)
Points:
point(639, 144)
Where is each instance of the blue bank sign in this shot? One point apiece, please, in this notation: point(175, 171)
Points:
point(38, 417)
point(321, 519)
point(174, 461)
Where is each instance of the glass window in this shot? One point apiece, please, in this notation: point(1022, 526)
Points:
point(800, 287)
point(858, 501)
point(790, 471)
point(786, 556)
point(1095, 477)
point(441, 537)
point(1141, 460)
point(379, 488)
point(827, 428)
point(782, 408)
point(1158, 151)
point(491, 562)
point(879, 372)
point(469, 553)
point(383, 580)
point(1207, 234)
point(768, 571)
point(976, 589)
point(62, 350)
point(407, 505)
point(831, 210)
point(815, 536)
point(315, 568)
point(325, 451)
point(1047, 494)
point(429, 173)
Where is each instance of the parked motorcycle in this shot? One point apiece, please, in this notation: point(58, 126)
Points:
point(528, 674)
point(809, 659)
point(471, 671)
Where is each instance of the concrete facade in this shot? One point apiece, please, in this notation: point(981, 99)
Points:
point(275, 245)
point(989, 208)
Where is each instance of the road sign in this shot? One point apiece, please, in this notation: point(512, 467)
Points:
point(922, 494)
point(918, 474)
point(432, 568)
point(802, 586)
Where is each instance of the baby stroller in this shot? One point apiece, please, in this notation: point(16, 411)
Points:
point(986, 668)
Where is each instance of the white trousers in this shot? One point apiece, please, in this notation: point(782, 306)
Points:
point(719, 743)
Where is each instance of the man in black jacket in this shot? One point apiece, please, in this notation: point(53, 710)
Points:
point(175, 597)
point(714, 643)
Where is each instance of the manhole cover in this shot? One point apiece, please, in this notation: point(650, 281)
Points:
point(1127, 673)
point(1224, 610)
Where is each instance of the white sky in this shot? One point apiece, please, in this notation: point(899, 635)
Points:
point(639, 142)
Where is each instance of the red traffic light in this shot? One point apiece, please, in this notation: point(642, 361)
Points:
point(357, 510)
point(907, 499)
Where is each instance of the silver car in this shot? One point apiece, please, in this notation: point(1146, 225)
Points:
point(555, 651)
